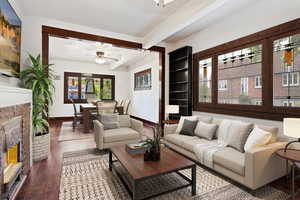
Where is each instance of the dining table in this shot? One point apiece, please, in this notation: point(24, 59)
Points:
point(87, 109)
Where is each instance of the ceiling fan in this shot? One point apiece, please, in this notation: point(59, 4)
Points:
point(101, 58)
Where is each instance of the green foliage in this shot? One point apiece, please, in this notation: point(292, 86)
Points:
point(39, 78)
point(244, 99)
point(155, 142)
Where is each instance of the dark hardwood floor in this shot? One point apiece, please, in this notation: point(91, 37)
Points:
point(44, 179)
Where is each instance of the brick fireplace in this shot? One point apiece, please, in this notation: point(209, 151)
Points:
point(15, 139)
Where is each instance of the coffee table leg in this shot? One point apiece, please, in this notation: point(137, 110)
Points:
point(110, 160)
point(134, 190)
point(194, 180)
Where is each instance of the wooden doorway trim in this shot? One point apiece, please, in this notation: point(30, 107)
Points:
point(48, 31)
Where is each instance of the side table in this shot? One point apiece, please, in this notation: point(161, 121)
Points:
point(293, 156)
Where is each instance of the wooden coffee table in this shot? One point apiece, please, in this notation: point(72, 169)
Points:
point(140, 170)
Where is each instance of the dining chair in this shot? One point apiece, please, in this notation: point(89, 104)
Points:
point(126, 106)
point(106, 107)
point(77, 115)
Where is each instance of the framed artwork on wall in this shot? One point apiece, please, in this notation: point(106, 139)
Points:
point(142, 80)
point(10, 40)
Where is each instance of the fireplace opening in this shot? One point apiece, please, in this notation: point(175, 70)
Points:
point(12, 163)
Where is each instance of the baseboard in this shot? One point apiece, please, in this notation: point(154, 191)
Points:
point(61, 118)
point(146, 122)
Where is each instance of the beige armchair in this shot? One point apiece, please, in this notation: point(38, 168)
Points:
point(130, 131)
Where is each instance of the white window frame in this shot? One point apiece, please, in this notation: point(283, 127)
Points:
point(258, 80)
point(290, 79)
point(244, 82)
point(223, 85)
point(288, 103)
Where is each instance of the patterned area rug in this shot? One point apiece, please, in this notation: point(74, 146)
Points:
point(85, 176)
point(67, 133)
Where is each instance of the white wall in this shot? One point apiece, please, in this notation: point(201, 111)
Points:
point(59, 109)
point(5, 81)
point(145, 103)
point(263, 15)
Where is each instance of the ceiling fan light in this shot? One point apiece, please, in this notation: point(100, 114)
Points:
point(162, 3)
point(100, 60)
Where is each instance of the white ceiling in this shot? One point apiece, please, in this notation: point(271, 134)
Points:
point(85, 51)
point(132, 17)
point(140, 18)
point(230, 8)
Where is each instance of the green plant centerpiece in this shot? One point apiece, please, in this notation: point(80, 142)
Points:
point(39, 78)
point(154, 152)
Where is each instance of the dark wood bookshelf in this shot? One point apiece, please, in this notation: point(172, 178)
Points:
point(181, 81)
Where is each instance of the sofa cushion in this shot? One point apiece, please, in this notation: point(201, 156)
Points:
point(178, 139)
point(205, 130)
point(271, 129)
point(189, 144)
point(124, 121)
point(181, 121)
point(231, 159)
point(188, 127)
point(120, 134)
point(238, 134)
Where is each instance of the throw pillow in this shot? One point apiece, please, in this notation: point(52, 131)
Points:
point(124, 121)
point(188, 127)
point(271, 129)
point(205, 130)
point(110, 121)
point(238, 135)
point(223, 130)
point(180, 124)
point(257, 137)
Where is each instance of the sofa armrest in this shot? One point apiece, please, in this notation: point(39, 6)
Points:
point(170, 129)
point(263, 166)
point(137, 126)
point(98, 133)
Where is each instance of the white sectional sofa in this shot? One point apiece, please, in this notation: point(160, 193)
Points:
point(252, 169)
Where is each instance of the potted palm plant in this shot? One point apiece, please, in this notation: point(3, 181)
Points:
point(39, 78)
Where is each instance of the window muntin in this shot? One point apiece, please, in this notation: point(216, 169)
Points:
point(286, 68)
point(205, 89)
point(240, 69)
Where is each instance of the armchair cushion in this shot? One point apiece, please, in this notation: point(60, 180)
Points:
point(120, 134)
point(137, 125)
point(109, 121)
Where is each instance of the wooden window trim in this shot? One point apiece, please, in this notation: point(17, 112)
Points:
point(266, 110)
point(80, 75)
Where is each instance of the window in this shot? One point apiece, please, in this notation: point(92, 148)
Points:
point(235, 71)
point(222, 85)
point(79, 87)
point(258, 82)
point(290, 79)
point(286, 68)
point(244, 86)
point(254, 76)
point(205, 71)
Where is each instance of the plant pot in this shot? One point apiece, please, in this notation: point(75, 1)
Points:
point(41, 147)
point(154, 154)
